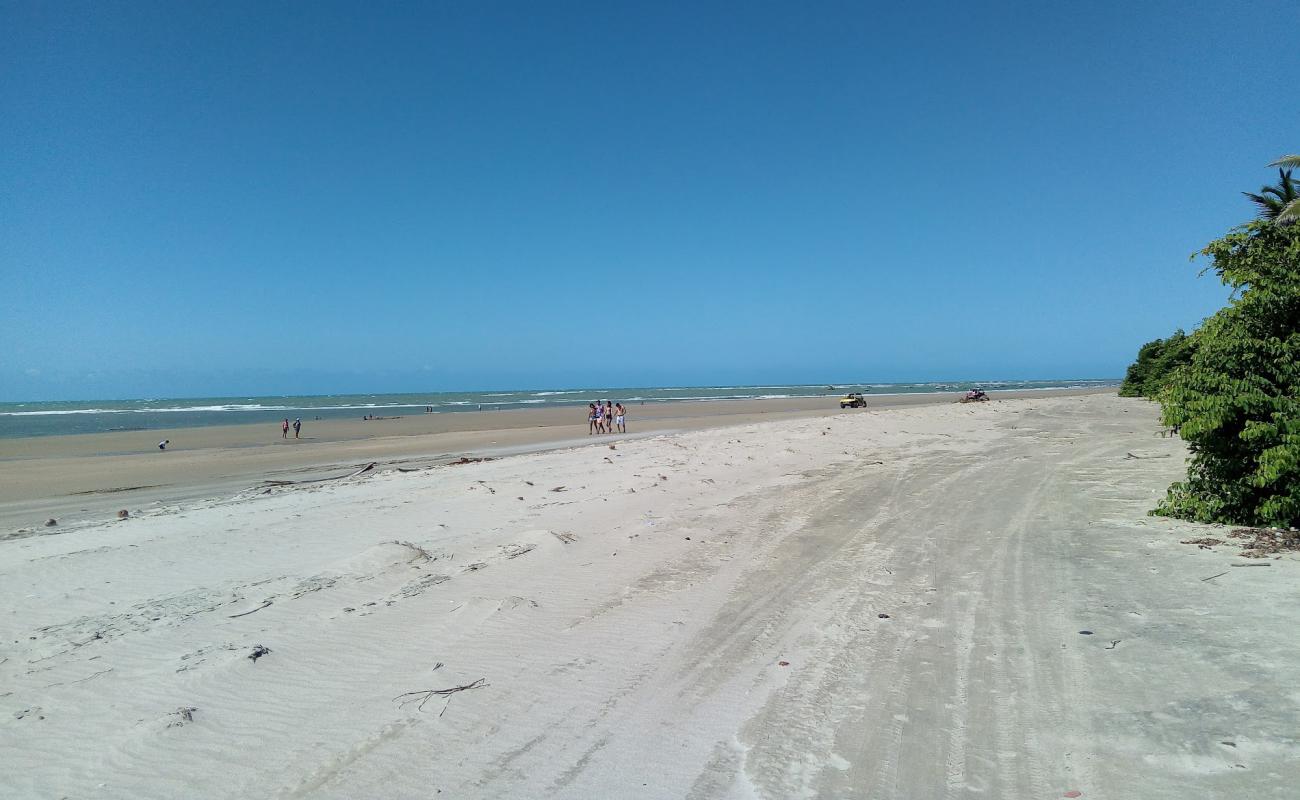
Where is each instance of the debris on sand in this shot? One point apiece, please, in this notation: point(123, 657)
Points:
point(1205, 542)
point(558, 489)
point(467, 460)
point(258, 652)
point(183, 715)
point(123, 514)
point(1264, 542)
point(516, 550)
point(265, 604)
point(419, 551)
point(423, 695)
point(51, 522)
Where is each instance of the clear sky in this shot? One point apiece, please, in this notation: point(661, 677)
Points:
point(262, 198)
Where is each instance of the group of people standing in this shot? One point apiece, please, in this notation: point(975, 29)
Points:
point(607, 418)
point(284, 428)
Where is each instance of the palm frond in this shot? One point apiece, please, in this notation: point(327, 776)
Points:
point(1289, 213)
point(1272, 200)
point(1287, 186)
point(1269, 207)
point(1291, 162)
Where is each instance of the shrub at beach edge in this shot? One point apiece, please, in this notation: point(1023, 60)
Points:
point(1156, 363)
point(1237, 400)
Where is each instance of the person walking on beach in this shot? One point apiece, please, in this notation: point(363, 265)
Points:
point(297, 427)
point(591, 418)
point(600, 417)
point(619, 413)
point(284, 429)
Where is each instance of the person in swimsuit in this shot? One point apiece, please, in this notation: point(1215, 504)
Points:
point(609, 416)
point(600, 418)
point(619, 412)
point(284, 429)
point(591, 418)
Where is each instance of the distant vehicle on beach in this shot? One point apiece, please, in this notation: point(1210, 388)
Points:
point(853, 400)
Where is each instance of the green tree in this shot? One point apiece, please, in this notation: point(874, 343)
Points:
point(1155, 365)
point(1238, 399)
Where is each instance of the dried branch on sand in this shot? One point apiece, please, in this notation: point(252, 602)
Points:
point(264, 604)
point(423, 695)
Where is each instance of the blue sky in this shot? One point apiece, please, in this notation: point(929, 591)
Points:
point(226, 198)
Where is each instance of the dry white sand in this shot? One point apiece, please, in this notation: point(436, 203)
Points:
point(690, 616)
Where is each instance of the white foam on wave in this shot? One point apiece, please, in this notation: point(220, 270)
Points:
point(65, 411)
point(191, 409)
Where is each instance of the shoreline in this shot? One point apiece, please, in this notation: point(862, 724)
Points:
point(90, 476)
point(254, 434)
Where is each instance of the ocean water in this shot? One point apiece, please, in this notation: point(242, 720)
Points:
point(71, 417)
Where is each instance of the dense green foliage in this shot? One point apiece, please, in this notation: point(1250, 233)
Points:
point(1237, 401)
point(1155, 365)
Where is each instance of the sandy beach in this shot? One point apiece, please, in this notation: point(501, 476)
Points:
point(926, 601)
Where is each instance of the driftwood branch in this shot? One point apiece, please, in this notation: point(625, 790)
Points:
point(424, 695)
point(264, 604)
